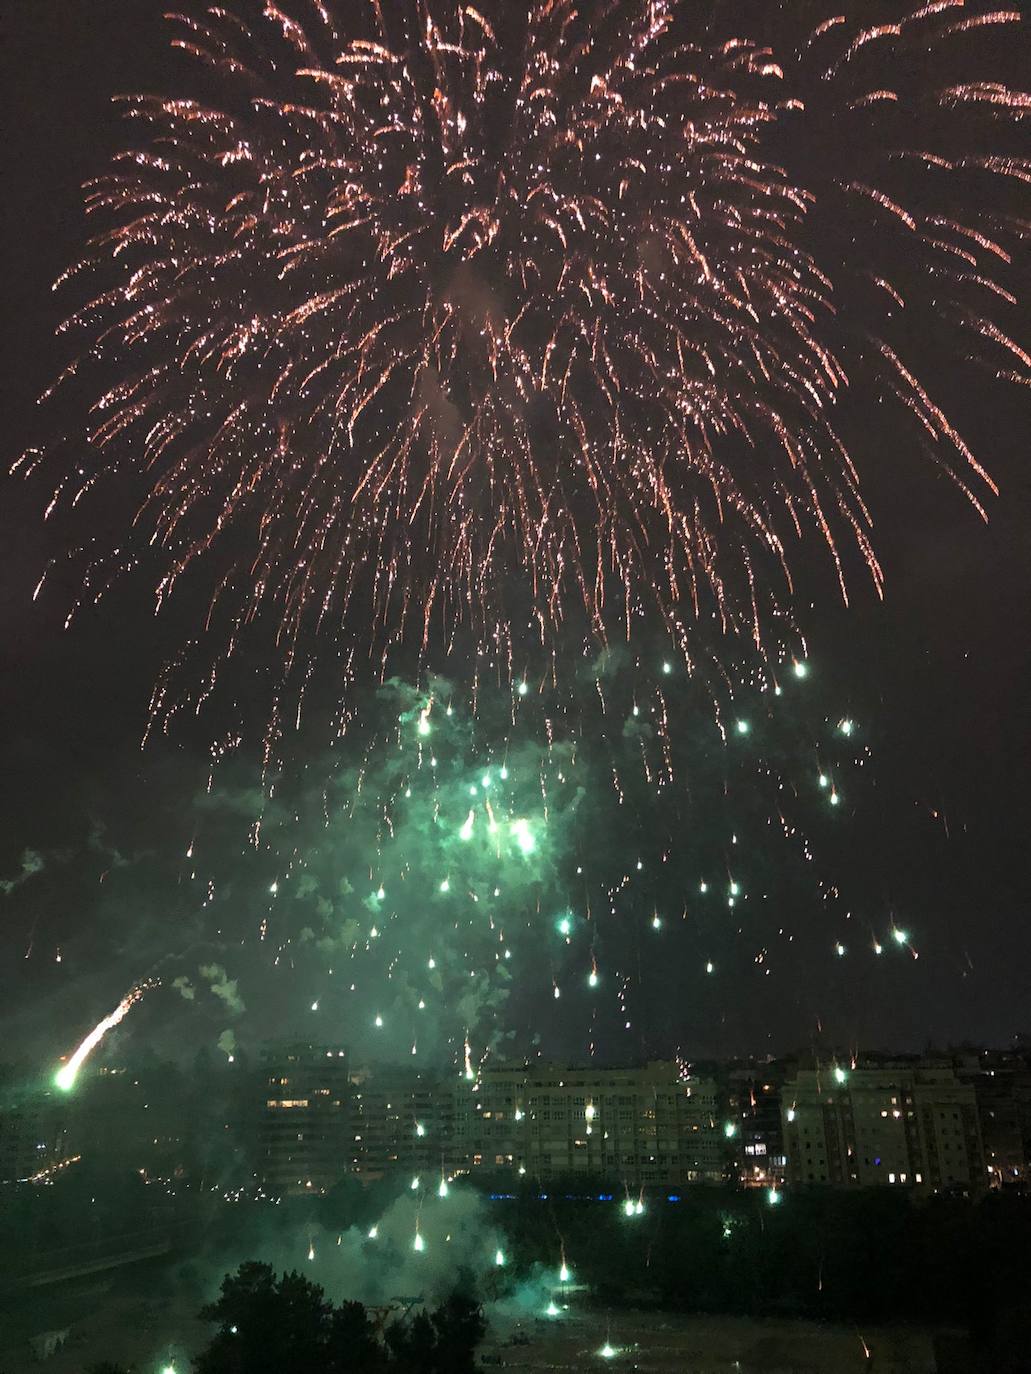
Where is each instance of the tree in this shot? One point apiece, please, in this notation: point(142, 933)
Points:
point(460, 1327)
point(352, 1344)
point(267, 1325)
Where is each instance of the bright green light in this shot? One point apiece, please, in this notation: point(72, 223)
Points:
point(65, 1078)
point(840, 1076)
point(564, 1274)
point(835, 799)
point(418, 1244)
point(847, 726)
point(445, 886)
point(607, 1352)
point(379, 1020)
point(414, 1184)
point(592, 979)
point(373, 1232)
point(503, 775)
point(442, 1188)
point(420, 1129)
point(524, 839)
point(710, 967)
point(499, 1258)
point(565, 925)
point(730, 1129)
point(734, 889)
point(801, 669)
point(667, 668)
point(743, 727)
point(656, 922)
point(485, 781)
point(551, 1310)
point(824, 780)
point(628, 1207)
point(466, 832)
point(523, 689)
point(424, 726)
point(703, 887)
point(901, 937)
point(773, 1197)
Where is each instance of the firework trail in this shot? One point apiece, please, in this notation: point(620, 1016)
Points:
point(527, 324)
point(68, 1073)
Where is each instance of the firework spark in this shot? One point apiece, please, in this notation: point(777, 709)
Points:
point(68, 1073)
point(528, 319)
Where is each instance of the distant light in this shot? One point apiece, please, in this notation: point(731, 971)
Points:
point(773, 1197)
point(379, 1020)
point(442, 1188)
point(703, 886)
point(445, 886)
point(734, 889)
point(485, 781)
point(840, 951)
point(656, 922)
point(901, 937)
point(504, 775)
point(273, 888)
point(418, 1244)
point(424, 726)
point(667, 668)
point(835, 799)
point(628, 1207)
point(314, 1006)
point(551, 1310)
point(824, 780)
point(420, 1129)
point(499, 1258)
point(710, 967)
point(743, 727)
point(564, 1274)
point(840, 1076)
point(730, 1129)
point(878, 948)
point(846, 726)
point(791, 1113)
point(380, 894)
point(432, 963)
point(607, 1352)
point(414, 1184)
point(523, 689)
point(373, 1232)
point(565, 925)
point(801, 668)
point(592, 979)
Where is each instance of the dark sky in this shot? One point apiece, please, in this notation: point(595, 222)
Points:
point(943, 666)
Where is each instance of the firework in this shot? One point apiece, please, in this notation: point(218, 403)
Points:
point(68, 1073)
point(528, 323)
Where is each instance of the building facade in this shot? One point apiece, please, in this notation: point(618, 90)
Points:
point(893, 1124)
point(303, 1135)
point(645, 1127)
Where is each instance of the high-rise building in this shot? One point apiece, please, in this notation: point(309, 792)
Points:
point(33, 1136)
point(400, 1120)
point(1002, 1085)
point(907, 1124)
point(651, 1126)
point(753, 1108)
point(304, 1127)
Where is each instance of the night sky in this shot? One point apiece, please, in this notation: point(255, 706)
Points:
point(939, 675)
